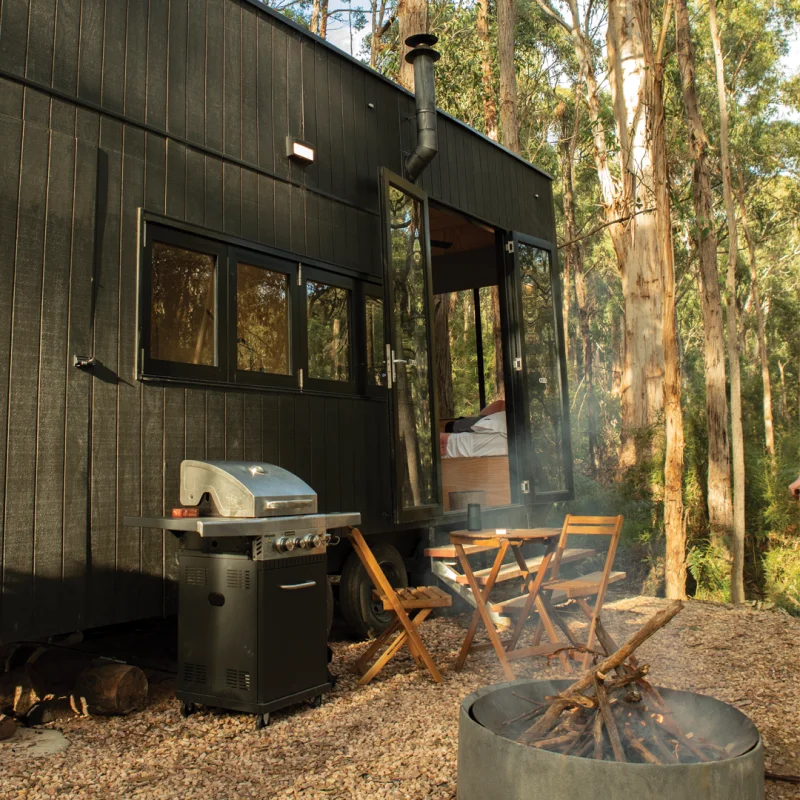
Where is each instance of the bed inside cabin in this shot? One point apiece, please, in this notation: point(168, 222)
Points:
point(473, 435)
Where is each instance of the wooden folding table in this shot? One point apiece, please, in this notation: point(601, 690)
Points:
point(504, 540)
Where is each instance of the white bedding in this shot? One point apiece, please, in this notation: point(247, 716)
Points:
point(475, 445)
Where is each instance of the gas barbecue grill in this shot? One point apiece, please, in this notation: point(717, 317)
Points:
point(252, 611)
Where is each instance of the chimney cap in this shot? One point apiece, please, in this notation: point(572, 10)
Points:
point(422, 43)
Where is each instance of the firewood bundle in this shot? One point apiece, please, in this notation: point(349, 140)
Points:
point(613, 713)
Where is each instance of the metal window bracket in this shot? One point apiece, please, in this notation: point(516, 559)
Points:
point(518, 364)
point(509, 247)
point(525, 486)
point(299, 274)
point(300, 379)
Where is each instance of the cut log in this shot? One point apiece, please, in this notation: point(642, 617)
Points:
point(8, 727)
point(110, 689)
point(608, 721)
point(17, 694)
point(543, 725)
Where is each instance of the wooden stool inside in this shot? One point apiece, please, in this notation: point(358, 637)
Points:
point(419, 600)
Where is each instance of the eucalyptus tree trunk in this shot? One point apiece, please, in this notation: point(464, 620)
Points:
point(487, 76)
point(566, 144)
point(412, 17)
point(674, 528)
point(737, 434)
point(378, 28)
point(323, 18)
point(509, 123)
point(444, 362)
point(769, 430)
point(628, 203)
point(720, 501)
point(314, 26)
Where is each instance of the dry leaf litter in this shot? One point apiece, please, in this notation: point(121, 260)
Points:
point(398, 736)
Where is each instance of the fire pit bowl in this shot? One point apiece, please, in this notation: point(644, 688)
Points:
point(493, 766)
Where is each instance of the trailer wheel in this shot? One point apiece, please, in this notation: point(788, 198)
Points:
point(361, 612)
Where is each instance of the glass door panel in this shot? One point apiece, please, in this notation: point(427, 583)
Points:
point(543, 371)
point(409, 353)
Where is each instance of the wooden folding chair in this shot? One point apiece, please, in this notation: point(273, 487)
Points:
point(583, 587)
point(421, 600)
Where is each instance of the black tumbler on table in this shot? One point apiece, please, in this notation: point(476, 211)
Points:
point(474, 517)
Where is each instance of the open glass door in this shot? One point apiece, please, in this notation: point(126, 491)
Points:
point(541, 370)
point(409, 353)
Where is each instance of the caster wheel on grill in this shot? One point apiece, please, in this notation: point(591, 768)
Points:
point(187, 709)
point(316, 702)
point(262, 720)
point(331, 679)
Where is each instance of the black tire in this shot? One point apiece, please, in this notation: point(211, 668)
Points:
point(329, 597)
point(364, 615)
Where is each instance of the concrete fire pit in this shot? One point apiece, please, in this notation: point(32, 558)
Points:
point(492, 766)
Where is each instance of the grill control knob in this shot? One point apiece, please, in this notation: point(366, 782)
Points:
point(300, 542)
point(285, 544)
point(312, 540)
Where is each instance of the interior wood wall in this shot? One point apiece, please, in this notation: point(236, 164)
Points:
point(181, 108)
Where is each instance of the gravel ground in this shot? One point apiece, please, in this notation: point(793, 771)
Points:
point(398, 737)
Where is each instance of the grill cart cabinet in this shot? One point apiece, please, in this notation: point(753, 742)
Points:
point(252, 635)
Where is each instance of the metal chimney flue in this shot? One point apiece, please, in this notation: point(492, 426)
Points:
point(423, 57)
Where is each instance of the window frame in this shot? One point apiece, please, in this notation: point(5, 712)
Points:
point(177, 370)
point(243, 377)
point(340, 281)
point(375, 291)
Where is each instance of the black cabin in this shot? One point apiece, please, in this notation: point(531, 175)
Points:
point(208, 249)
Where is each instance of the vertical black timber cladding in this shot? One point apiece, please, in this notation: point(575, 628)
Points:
point(196, 424)
point(303, 439)
point(312, 225)
point(104, 392)
point(280, 120)
point(282, 215)
point(11, 137)
point(195, 187)
point(24, 374)
point(232, 198)
point(65, 49)
point(294, 98)
point(297, 221)
point(215, 68)
point(155, 173)
point(115, 22)
point(266, 210)
point(52, 368)
point(174, 452)
point(91, 49)
point(157, 36)
point(129, 446)
point(270, 445)
point(135, 59)
point(150, 599)
point(215, 425)
point(252, 427)
point(41, 37)
point(345, 431)
point(286, 432)
point(309, 132)
point(214, 218)
point(362, 459)
point(196, 72)
point(371, 124)
point(176, 67)
point(78, 387)
point(318, 480)
point(234, 426)
point(333, 477)
point(250, 205)
point(233, 78)
point(351, 146)
point(14, 28)
point(176, 179)
point(266, 155)
point(250, 89)
point(36, 108)
point(336, 137)
point(322, 100)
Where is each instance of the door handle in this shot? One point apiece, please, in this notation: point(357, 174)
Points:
point(292, 586)
point(399, 361)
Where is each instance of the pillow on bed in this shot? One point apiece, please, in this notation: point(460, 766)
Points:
point(493, 423)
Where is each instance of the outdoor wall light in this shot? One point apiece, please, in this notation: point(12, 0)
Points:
point(299, 151)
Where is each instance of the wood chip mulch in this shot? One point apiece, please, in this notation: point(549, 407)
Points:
point(398, 737)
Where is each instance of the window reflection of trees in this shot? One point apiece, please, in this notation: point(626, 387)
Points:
point(182, 308)
point(410, 344)
point(262, 320)
point(373, 310)
point(542, 366)
point(328, 319)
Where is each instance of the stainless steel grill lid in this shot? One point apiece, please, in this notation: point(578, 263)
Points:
point(246, 489)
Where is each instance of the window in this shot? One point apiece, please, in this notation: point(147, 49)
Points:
point(262, 320)
point(182, 306)
point(216, 312)
point(328, 320)
point(373, 312)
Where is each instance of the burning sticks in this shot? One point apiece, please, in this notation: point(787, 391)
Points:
point(613, 713)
